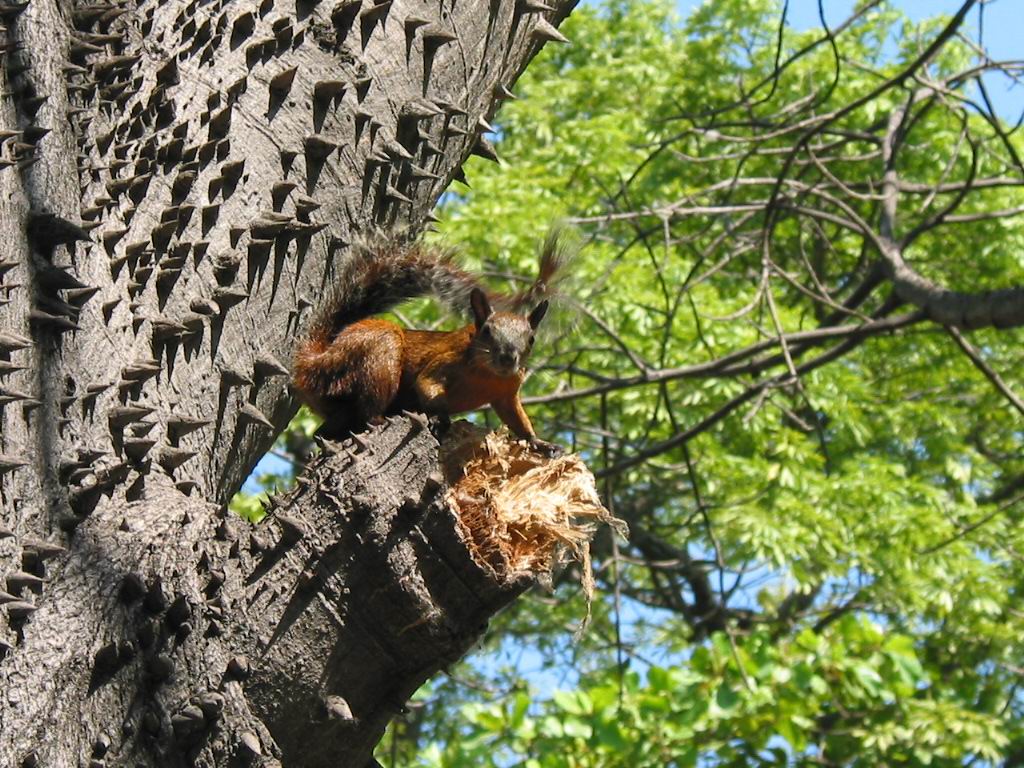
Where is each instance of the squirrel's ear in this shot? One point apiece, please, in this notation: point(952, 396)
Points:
point(481, 306)
point(538, 314)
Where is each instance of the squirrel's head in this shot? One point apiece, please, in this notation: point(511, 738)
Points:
point(503, 340)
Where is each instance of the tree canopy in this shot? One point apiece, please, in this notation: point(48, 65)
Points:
point(792, 353)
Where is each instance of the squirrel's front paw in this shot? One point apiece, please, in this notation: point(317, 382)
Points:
point(547, 449)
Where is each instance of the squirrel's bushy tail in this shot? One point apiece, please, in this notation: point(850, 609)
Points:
point(556, 254)
point(381, 276)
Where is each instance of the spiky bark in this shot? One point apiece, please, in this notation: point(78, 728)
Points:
point(178, 180)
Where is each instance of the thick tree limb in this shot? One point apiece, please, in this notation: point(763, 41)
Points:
point(1002, 308)
point(366, 592)
point(293, 642)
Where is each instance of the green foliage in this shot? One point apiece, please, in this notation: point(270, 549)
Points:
point(855, 529)
point(761, 702)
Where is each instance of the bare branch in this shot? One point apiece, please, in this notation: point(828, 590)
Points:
point(729, 364)
point(979, 362)
point(711, 420)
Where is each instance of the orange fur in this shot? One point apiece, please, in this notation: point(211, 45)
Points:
point(375, 368)
point(353, 369)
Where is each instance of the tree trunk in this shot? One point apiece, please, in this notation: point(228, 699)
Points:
point(178, 181)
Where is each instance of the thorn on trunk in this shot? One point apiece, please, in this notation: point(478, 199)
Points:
point(250, 413)
point(249, 743)
point(338, 710)
point(132, 588)
point(292, 529)
point(238, 668)
point(160, 667)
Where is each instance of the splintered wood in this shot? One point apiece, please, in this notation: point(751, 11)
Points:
point(522, 512)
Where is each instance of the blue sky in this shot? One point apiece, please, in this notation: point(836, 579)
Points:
point(1003, 33)
point(1004, 19)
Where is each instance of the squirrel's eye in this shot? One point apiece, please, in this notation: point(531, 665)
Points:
point(486, 331)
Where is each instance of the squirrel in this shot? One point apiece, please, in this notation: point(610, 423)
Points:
point(352, 369)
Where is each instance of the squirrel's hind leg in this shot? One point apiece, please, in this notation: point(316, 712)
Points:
point(338, 423)
point(344, 417)
point(375, 379)
point(359, 376)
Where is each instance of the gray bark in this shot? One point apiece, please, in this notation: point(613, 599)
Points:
point(1002, 308)
point(179, 180)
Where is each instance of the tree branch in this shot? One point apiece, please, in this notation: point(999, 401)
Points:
point(979, 362)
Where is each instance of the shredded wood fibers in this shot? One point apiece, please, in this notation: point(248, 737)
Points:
point(522, 512)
